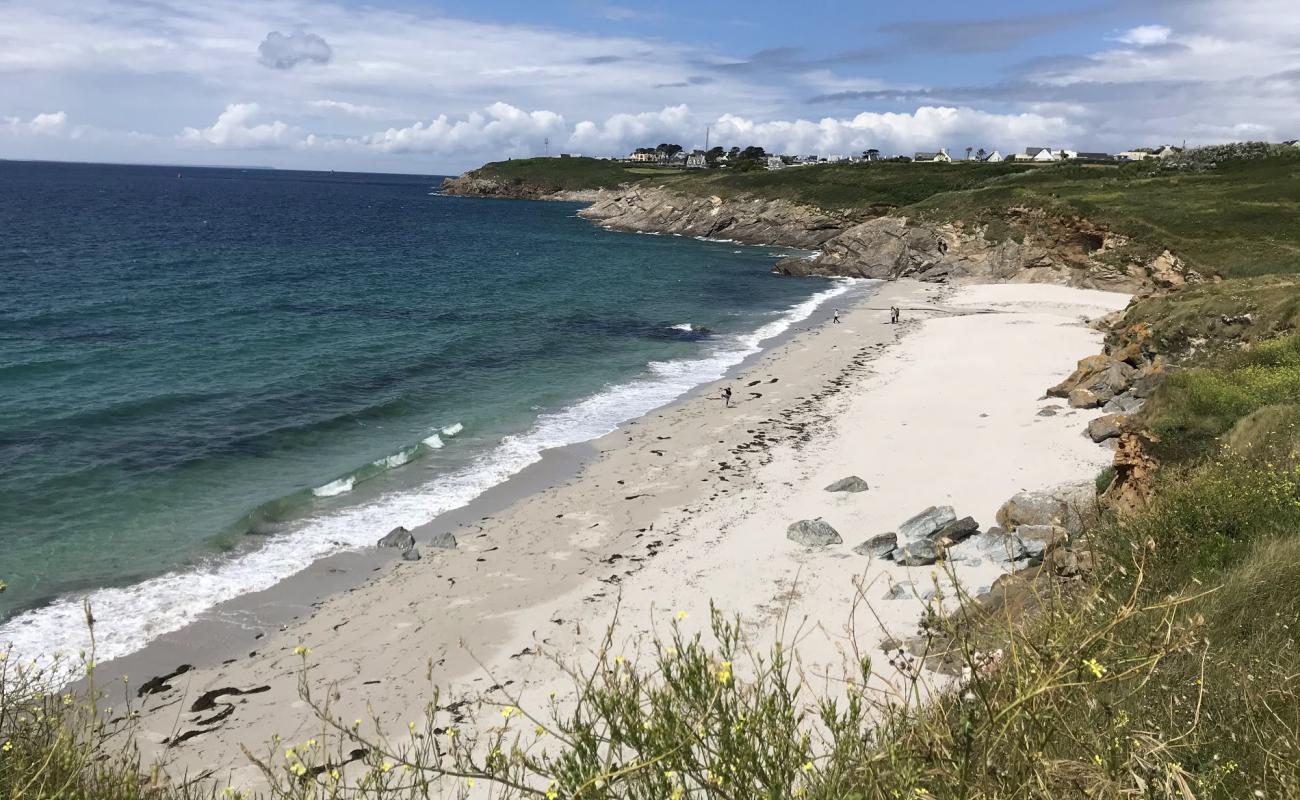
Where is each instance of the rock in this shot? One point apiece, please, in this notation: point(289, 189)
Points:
point(956, 531)
point(1065, 563)
point(1144, 385)
point(398, 537)
point(878, 546)
point(813, 533)
point(1239, 319)
point(411, 554)
point(900, 591)
point(1068, 505)
point(444, 540)
point(1107, 427)
point(1039, 540)
point(1126, 403)
point(1000, 545)
point(1048, 411)
point(1096, 380)
point(921, 553)
point(926, 523)
point(850, 484)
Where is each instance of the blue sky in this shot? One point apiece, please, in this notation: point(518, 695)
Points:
point(398, 85)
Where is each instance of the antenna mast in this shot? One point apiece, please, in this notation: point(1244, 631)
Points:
point(706, 138)
point(546, 144)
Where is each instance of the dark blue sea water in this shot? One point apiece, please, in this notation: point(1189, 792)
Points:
point(209, 378)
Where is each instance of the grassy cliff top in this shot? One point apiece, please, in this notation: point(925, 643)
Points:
point(1238, 219)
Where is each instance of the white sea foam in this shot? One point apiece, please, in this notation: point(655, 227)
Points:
point(396, 459)
point(129, 617)
point(453, 429)
point(685, 326)
point(434, 441)
point(340, 486)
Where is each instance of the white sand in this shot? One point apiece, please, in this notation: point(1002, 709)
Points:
point(945, 415)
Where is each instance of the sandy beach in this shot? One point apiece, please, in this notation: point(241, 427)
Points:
point(687, 505)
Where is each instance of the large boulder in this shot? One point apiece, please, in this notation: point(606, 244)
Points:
point(999, 545)
point(1107, 427)
point(921, 553)
point(411, 554)
point(1095, 381)
point(926, 523)
point(1069, 505)
point(399, 538)
point(956, 531)
point(881, 546)
point(444, 540)
point(1039, 540)
point(850, 484)
point(1127, 403)
point(813, 533)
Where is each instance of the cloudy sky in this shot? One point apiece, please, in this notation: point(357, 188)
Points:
point(437, 87)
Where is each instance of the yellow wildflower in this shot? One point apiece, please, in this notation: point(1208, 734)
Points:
point(7, 746)
point(301, 651)
point(551, 792)
point(298, 769)
point(808, 766)
point(508, 712)
point(681, 615)
point(1095, 667)
point(539, 730)
point(678, 793)
point(385, 767)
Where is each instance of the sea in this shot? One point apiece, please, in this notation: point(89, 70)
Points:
point(210, 377)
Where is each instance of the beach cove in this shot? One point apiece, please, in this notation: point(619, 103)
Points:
point(687, 504)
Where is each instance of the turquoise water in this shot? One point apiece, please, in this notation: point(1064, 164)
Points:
point(209, 379)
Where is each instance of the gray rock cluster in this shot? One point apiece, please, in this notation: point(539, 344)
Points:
point(400, 538)
point(850, 484)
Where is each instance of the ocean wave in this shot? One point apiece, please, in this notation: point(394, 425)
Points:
point(129, 617)
point(434, 441)
point(685, 326)
point(453, 429)
point(334, 488)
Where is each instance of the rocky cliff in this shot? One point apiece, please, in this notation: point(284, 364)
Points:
point(874, 244)
point(749, 220)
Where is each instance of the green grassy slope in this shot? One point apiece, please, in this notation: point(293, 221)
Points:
point(1239, 219)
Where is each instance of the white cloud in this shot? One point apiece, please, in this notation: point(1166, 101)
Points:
point(927, 128)
point(1146, 35)
point(500, 128)
point(622, 132)
point(358, 110)
point(233, 130)
point(45, 124)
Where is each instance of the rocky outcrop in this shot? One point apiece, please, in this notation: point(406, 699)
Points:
point(926, 523)
point(750, 220)
point(1106, 427)
point(476, 184)
point(398, 537)
point(1041, 250)
point(1069, 506)
point(1032, 246)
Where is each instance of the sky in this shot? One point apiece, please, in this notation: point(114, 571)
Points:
point(440, 87)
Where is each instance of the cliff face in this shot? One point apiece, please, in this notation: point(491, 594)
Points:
point(472, 184)
point(1041, 250)
point(753, 221)
point(1068, 252)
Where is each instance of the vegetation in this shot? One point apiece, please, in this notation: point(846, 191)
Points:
point(1236, 219)
point(1171, 671)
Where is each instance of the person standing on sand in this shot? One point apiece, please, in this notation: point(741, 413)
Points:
point(726, 396)
point(893, 315)
point(836, 317)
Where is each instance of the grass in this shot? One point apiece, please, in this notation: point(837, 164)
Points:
point(1236, 220)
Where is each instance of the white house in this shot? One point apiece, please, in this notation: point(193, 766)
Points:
point(993, 158)
point(651, 156)
point(775, 162)
point(1133, 155)
point(1039, 154)
point(940, 157)
point(696, 160)
point(1167, 151)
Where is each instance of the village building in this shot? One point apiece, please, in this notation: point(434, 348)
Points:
point(940, 157)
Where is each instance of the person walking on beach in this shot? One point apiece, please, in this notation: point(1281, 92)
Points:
point(836, 317)
point(893, 315)
point(726, 396)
